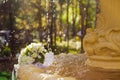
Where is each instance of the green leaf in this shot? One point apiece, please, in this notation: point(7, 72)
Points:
point(7, 51)
point(3, 78)
point(26, 52)
point(4, 73)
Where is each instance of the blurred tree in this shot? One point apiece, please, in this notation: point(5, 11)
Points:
point(67, 21)
point(42, 18)
point(61, 3)
point(8, 10)
point(52, 23)
point(87, 13)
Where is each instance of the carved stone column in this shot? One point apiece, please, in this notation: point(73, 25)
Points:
point(102, 45)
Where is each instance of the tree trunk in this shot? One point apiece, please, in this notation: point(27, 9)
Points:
point(50, 22)
point(40, 19)
point(73, 19)
point(83, 27)
point(87, 15)
point(61, 27)
point(67, 20)
point(54, 23)
point(11, 27)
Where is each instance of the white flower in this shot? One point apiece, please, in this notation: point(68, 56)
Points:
point(26, 60)
point(33, 52)
point(30, 46)
point(23, 51)
point(36, 47)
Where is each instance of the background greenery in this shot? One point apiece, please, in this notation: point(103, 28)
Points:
point(59, 24)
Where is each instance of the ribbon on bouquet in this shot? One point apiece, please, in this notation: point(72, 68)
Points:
point(13, 74)
point(49, 59)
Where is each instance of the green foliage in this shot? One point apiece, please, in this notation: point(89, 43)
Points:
point(65, 49)
point(60, 49)
point(74, 46)
point(33, 16)
point(28, 13)
point(5, 75)
point(92, 13)
point(6, 51)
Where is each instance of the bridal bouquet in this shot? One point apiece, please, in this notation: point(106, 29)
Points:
point(32, 53)
point(35, 53)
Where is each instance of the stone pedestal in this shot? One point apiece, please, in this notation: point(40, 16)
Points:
point(102, 45)
point(102, 74)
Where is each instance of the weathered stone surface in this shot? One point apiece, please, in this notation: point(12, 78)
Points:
point(66, 66)
point(101, 74)
point(31, 72)
point(102, 45)
point(69, 65)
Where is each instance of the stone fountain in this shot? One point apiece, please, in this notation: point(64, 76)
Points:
point(102, 45)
